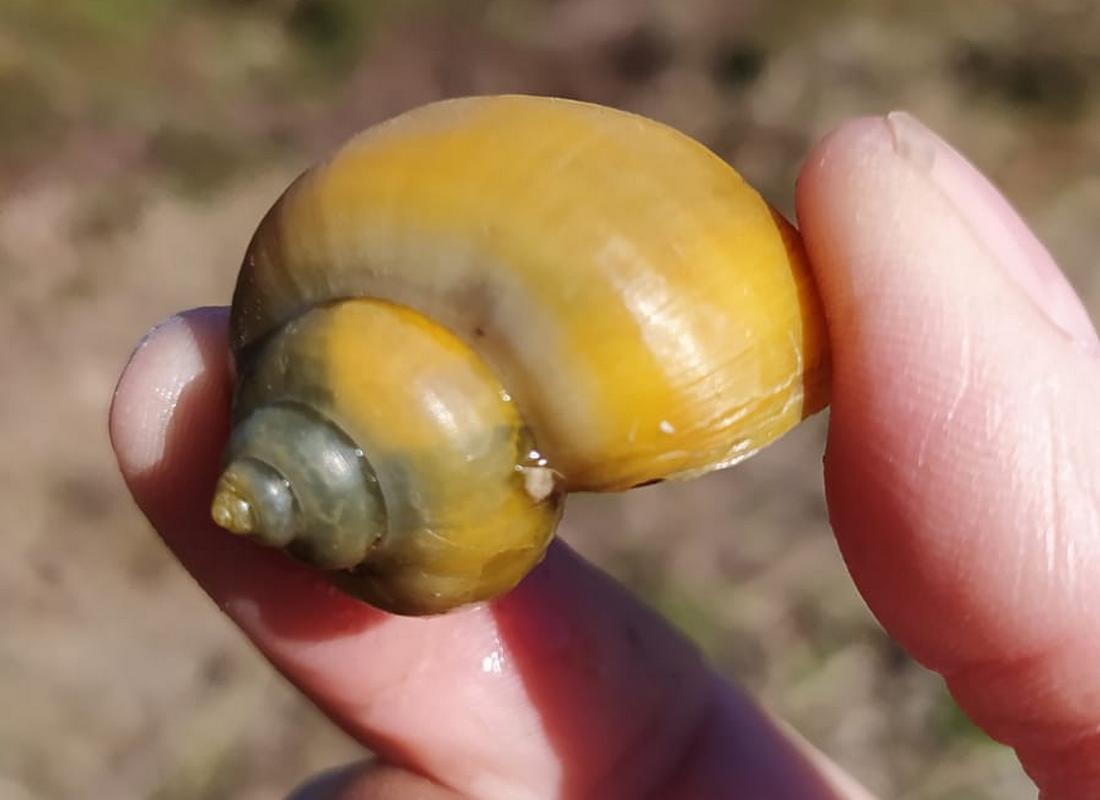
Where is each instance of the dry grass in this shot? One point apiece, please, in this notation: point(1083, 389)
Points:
point(142, 140)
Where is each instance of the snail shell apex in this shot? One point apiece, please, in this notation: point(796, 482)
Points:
point(495, 301)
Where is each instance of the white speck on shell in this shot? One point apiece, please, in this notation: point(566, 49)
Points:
point(666, 427)
point(538, 482)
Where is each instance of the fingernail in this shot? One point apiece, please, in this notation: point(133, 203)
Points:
point(996, 224)
point(162, 365)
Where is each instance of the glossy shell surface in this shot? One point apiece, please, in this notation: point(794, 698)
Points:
point(620, 304)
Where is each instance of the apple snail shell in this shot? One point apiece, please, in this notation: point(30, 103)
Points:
point(483, 304)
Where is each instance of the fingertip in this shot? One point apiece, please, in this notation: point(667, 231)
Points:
point(181, 353)
point(843, 152)
point(875, 173)
point(169, 420)
point(168, 424)
point(843, 142)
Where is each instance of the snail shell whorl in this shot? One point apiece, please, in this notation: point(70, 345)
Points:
point(408, 459)
point(301, 483)
point(646, 310)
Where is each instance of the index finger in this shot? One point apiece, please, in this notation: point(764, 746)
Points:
point(565, 688)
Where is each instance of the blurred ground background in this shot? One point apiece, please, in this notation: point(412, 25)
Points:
point(140, 141)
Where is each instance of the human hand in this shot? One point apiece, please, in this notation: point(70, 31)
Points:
point(963, 487)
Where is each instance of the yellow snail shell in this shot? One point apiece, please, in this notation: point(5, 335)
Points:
point(483, 304)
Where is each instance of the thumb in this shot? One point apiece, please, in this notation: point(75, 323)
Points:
point(963, 463)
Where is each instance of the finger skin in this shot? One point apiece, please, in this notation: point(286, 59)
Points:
point(963, 458)
point(565, 688)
